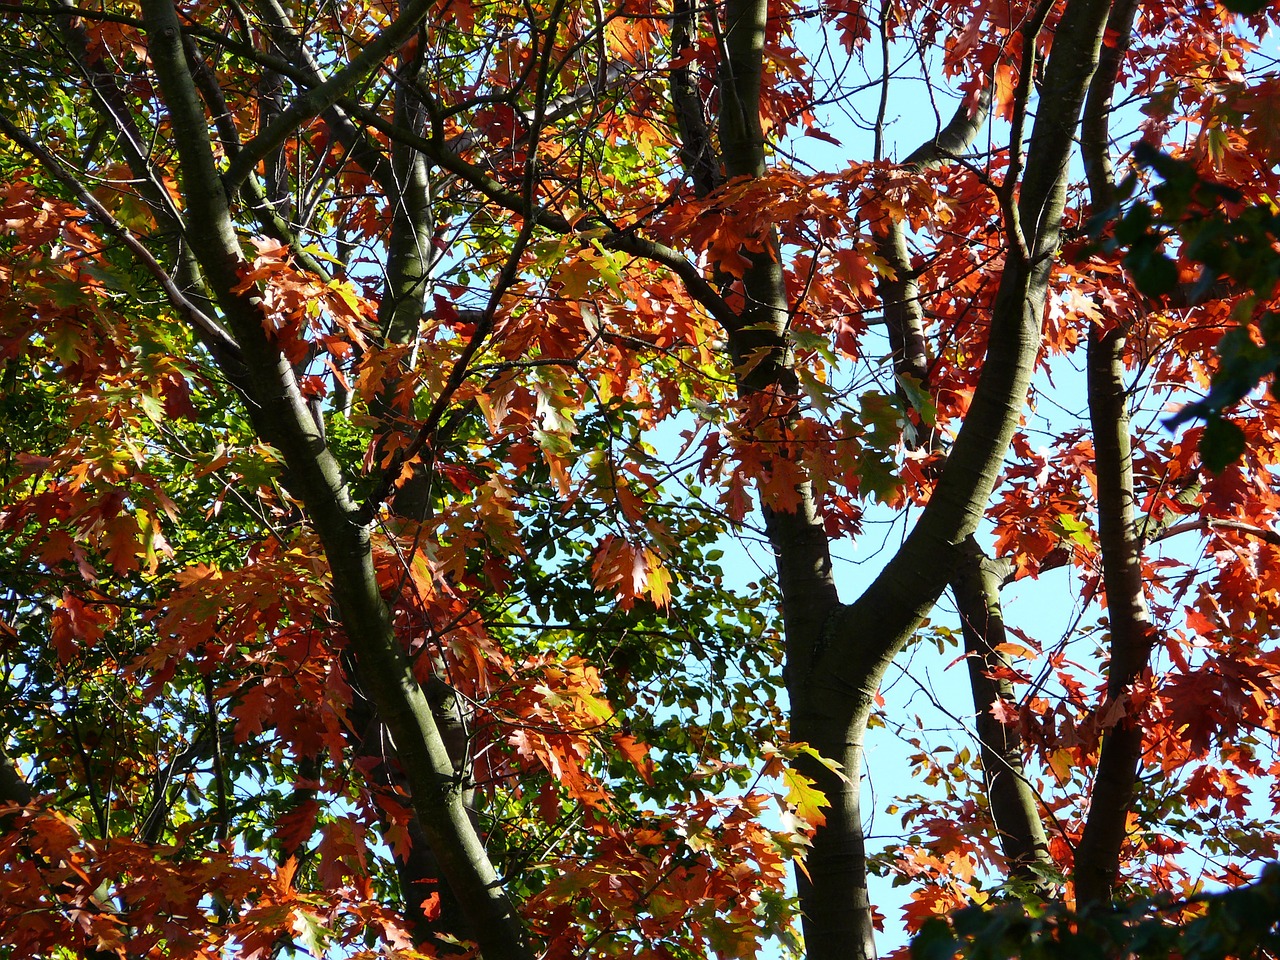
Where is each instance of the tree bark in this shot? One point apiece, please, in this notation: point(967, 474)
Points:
point(697, 155)
point(1131, 631)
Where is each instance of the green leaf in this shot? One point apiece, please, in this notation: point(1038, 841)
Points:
point(1221, 445)
point(919, 398)
point(1154, 273)
point(310, 933)
point(819, 393)
point(820, 343)
point(934, 941)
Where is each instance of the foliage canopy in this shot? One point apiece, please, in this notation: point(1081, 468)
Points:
point(386, 380)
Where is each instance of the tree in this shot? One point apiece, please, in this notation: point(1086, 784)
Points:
point(380, 379)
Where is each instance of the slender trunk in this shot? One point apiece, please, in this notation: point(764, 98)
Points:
point(697, 155)
point(314, 476)
point(404, 293)
point(1097, 860)
point(1015, 809)
point(406, 284)
point(833, 891)
point(1132, 633)
point(977, 582)
point(417, 868)
point(409, 249)
point(759, 343)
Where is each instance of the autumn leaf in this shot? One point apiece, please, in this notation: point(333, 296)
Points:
point(805, 801)
point(637, 754)
point(518, 449)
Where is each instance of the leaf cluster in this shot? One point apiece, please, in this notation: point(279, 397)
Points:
point(1239, 924)
point(1189, 217)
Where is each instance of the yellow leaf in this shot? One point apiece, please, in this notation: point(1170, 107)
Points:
point(657, 580)
point(1062, 763)
point(806, 799)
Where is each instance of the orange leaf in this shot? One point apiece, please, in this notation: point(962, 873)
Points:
point(637, 753)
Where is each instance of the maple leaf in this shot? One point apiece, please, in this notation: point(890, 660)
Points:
point(296, 826)
point(282, 878)
point(632, 571)
point(1006, 713)
point(805, 801)
point(252, 709)
point(76, 621)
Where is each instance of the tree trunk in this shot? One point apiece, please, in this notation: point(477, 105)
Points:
point(1097, 861)
point(834, 675)
point(1131, 630)
point(314, 476)
point(1015, 809)
point(835, 904)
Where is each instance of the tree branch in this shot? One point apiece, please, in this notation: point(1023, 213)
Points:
point(226, 352)
point(301, 67)
point(1015, 808)
point(316, 100)
point(900, 293)
point(697, 155)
